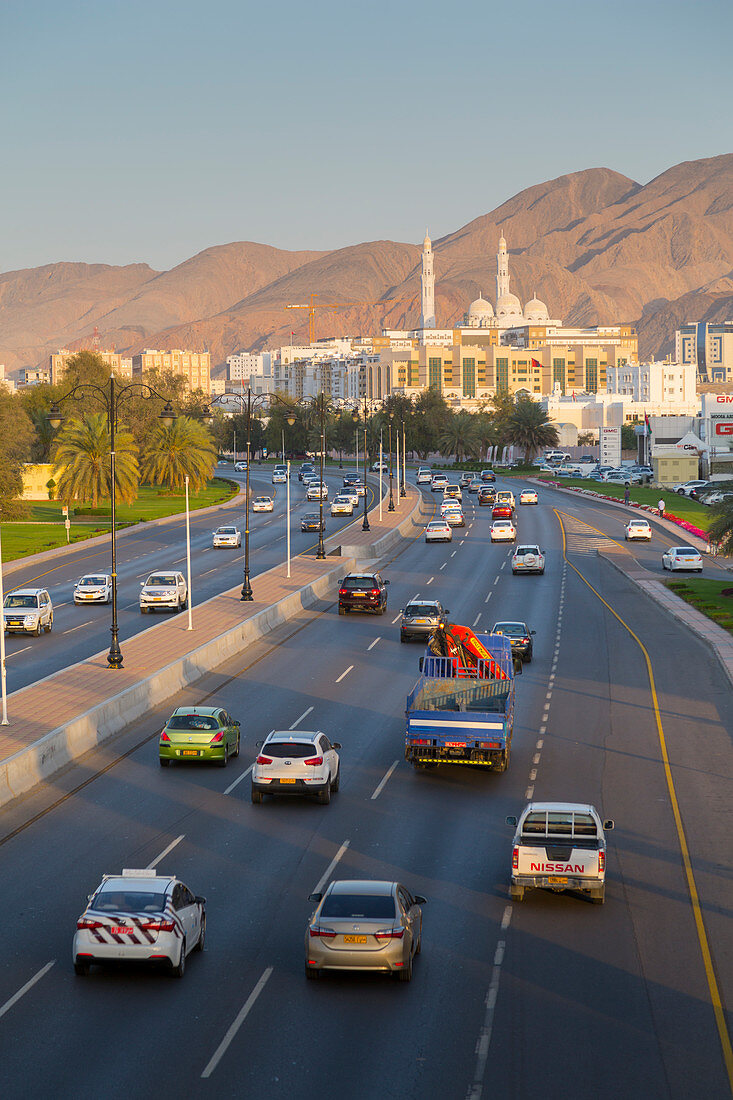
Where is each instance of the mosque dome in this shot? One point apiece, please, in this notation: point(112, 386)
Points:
point(536, 311)
point(508, 305)
point(480, 308)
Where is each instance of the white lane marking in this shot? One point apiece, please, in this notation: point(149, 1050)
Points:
point(324, 877)
point(454, 553)
point(503, 564)
point(164, 853)
point(17, 651)
point(237, 1023)
point(244, 775)
point(385, 778)
point(24, 988)
point(374, 643)
point(506, 918)
point(484, 1039)
point(529, 792)
point(64, 604)
point(176, 562)
point(462, 542)
point(536, 758)
point(533, 775)
point(430, 581)
point(540, 743)
point(345, 673)
point(487, 598)
point(496, 580)
point(442, 567)
point(77, 627)
point(209, 571)
point(542, 730)
point(299, 720)
point(475, 621)
point(396, 619)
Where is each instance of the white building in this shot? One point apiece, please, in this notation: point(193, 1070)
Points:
point(666, 388)
point(242, 366)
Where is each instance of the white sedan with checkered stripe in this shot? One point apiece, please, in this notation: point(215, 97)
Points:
point(140, 916)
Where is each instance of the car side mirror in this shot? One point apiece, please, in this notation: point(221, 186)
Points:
point(419, 899)
point(89, 897)
point(315, 897)
point(236, 723)
point(258, 744)
point(446, 611)
point(608, 825)
point(533, 631)
point(387, 582)
point(336, 744)
point(200, 900)
point(511, 820)
point(517, 663)
point(142, 584)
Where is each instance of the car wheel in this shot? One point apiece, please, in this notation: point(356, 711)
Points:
point(528, 658)
point(504, 762)
point(37, 631)
point(179, 970)
point(256, 796)
point(598, 896)
point(49, 627)
point(225, 758)
point(202, 934)
point(144, 610)
point(324, 796)
point(418, 949)
point(542, 572)
point(236, 748)
point(311, 973)
point(163, 763)
point(337, 781)
point(342, 611)
point(405, 974)
point(516, 893)
point(81, 969)
point(381, 610)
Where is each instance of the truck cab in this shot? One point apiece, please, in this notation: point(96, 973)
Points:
point(559, 846)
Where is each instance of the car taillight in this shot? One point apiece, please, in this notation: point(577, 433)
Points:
point(158, 925)
point(389, 934)
point(217, 737)
point(264, 759)
point(314, 761)
point(343, 591)
point(375, 592)
point(525, 639)
point(515, 858)
point(164, 736)
point(601, 861)
point(87, 922)
point(322, 933)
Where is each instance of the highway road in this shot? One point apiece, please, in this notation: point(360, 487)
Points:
point(553, 997)
point(83, 630)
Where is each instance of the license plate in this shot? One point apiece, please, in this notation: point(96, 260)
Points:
point(287, 780)
point(157, 597)
point(422, 622)
point(355, 939)
point(558, 881)
point(189, 752)
point(120, 930)
point(358, 593)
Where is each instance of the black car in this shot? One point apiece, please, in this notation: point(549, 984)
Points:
point(488, 475)
point(363, 592)
point(520, 638)
point(311, 521)
point(306, 468)
point(487, 495)
point(420, 618)
point(350, 480)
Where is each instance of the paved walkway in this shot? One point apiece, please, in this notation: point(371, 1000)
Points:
point(36, 710)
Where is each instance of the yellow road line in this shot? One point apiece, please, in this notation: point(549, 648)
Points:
point(715, 997)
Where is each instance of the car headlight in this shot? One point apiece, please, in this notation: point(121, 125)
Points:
point(30, 620)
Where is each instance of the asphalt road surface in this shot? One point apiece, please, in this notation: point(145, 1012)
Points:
point(553, 997)
point(83, 630)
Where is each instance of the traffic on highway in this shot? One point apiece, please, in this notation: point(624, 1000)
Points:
point(494, 862)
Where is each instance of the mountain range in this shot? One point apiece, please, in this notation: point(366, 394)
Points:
point(596, 246)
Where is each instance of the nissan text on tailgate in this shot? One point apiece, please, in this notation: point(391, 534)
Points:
point(559, 846)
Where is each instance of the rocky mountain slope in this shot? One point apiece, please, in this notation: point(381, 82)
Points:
point(594, 245)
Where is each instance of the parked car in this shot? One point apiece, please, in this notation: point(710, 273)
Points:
point(685, 488)
point(28, 611)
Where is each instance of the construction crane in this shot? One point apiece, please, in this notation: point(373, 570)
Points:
point(335, 305)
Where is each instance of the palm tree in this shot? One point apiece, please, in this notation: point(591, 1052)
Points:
point(720, 528)
point(185, 448)
point(529, 428)
point(460, 436)
point(82, 460)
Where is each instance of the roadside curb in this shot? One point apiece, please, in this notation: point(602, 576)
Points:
point(719, 640)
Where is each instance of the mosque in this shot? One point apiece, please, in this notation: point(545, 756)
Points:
point(508, 312)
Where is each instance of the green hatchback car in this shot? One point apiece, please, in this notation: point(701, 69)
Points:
point(199, 733)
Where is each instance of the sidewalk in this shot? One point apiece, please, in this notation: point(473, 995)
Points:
point(65, 714)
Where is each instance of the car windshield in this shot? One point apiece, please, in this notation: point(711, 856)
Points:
point(262, 500)
point(21, 601)
point(342, 500)
point(162, 578)
point(312, 517)
point(227, 531)
point(113, 900)
point(86, 582)
point(514, 630)
point(359, 582)
point(193, 722)
point(359, 907)
point(428, 609)
point(289, 750)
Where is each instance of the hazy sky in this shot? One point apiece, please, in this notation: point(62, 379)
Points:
point(147, 130)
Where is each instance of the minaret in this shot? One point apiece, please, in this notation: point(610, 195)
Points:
point(502, 270)
point(427, 285)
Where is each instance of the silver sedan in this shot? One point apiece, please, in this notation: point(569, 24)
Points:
point(363, 925)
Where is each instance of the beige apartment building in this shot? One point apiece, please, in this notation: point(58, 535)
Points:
point(120, 364)
point(195, 366)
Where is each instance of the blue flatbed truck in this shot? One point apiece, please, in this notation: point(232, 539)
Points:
point(459, 714)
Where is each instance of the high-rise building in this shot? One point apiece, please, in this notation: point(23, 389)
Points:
point(58, 360)
point(195, 366)
point(708, 345)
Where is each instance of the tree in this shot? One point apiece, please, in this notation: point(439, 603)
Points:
point(628, 437)
point(431, 417)
point(529, 428)
point(296, 435)
point(185, 448)
point(342, 434)
point(720, 528)
point(16, 441)
point(587, 439)
point(82, 458)
point(460, 437)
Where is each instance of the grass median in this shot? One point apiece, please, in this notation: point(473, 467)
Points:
point(713, 598)
point(691, 511)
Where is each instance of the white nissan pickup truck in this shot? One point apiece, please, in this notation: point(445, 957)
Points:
point(559, 846)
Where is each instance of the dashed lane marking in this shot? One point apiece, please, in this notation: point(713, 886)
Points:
point(475, 621)
point(343, 674)
point(374, 643)
point(25, 988)
point(383, 782)
point(238, 780)
point(299, 720)
point(236, 1024)
point(169, 848)
point(329, 870)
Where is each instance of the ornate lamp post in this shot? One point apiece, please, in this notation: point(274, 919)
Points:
point(248, 402)
point(355, 418)
point(403, 490)
point(111, 402)
point(390, 417)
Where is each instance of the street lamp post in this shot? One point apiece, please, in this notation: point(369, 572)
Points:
point(248, 402)
point(390, 416)
point(403, 490)
point(355, 418)
point(318, 404)
point(111, 402)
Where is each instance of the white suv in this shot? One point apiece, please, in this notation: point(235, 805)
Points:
point(296, 763)
point(164, 590)
point(27, 611)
